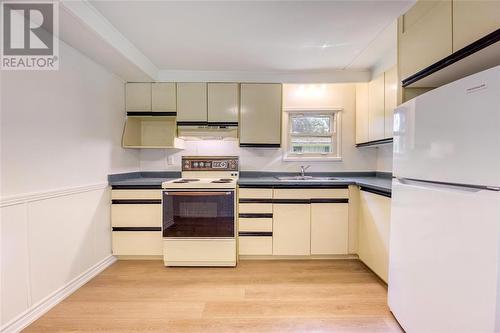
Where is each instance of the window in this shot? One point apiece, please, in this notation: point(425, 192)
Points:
point(313, 135)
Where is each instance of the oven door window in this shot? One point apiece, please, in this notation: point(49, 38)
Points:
point(198, 214)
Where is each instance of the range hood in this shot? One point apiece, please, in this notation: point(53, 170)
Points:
point(207, 131)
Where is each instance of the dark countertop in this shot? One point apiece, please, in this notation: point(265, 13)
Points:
point(370, 181)
point(141, 180)
point(375, 181)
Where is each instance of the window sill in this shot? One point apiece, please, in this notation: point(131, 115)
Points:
point(312, 158)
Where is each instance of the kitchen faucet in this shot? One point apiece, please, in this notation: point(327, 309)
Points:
point(303, 169)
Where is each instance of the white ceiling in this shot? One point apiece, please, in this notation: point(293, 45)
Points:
point(256, 36)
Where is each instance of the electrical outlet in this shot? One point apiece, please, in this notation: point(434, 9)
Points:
point(170, 160)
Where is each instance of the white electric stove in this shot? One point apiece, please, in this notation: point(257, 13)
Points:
point(199, 213)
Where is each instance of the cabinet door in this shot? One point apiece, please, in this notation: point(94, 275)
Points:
point(374, 232)
point(133, 215)
point(137, 243)
point(163, 97)
point(260, 113)
point(474, 19)
point(376, 117)
point(361, 112)
point(424, 35)
point(138, 97)
point(223, 102)
point(291, 229)
point(390, 99)
point(192, 101)
point(329, 228)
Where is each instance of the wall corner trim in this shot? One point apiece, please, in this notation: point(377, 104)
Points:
point(39, 309)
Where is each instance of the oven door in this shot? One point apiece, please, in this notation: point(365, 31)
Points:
point(195, 214)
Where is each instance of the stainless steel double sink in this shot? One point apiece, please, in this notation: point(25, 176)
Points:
point(305, 178)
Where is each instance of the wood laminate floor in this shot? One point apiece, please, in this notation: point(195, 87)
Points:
point(257, 296)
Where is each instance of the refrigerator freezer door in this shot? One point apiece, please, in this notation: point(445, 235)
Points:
point(444, 258)
point(451, 134)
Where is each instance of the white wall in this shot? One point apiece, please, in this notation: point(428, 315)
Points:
point(60, 138)
point(252, 159)
point(384, 158)
point(61, 128)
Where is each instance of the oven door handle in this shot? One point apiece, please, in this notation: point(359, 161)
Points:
point(189, 193)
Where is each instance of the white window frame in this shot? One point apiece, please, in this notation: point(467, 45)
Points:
point(318, 157)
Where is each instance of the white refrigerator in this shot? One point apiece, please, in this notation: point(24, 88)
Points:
point(445, 220)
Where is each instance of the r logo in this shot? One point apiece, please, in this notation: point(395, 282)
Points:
point(28, 29)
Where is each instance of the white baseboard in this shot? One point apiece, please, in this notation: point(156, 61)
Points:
point(39, 309)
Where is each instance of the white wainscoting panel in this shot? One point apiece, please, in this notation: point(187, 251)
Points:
point(51, 245)
point(14, 262)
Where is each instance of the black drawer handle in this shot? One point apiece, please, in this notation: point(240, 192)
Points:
point(254, 233)
point(339, 200)
point(256, 216)
point(136, 201)
point(136, 228)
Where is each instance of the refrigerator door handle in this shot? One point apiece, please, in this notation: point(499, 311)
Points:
point(443, 186)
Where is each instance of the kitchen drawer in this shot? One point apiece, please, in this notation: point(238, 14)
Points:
point(255, 245)
point(125, 215)
point(255, 193)
point(137, 243)
point(340, 193)
point(255, 208)
point(255, 224)
point(136, 194)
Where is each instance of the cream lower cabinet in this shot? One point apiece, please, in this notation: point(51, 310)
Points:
point(136, 220)
point(293, 222)
point(292, 229)
point(329, 228)
point(373, 232)
point(255, 222)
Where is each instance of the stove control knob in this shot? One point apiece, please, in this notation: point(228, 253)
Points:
point(195, 164)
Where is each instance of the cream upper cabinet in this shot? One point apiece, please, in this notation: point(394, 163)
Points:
point(291, 229)
point(361, 112)
point(260, 114)
point(329, 228)
point(376, 116)
point(138, 97)
point(192, 102)
point(163, 97)
point(424, 35)
point(390, 99)
point(223, 102)
point(474, 19)
point(374, 231)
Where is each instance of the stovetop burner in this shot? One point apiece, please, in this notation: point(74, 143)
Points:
point(222, 180)
point(185, 180)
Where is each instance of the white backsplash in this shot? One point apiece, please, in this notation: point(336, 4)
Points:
point(253, 159)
